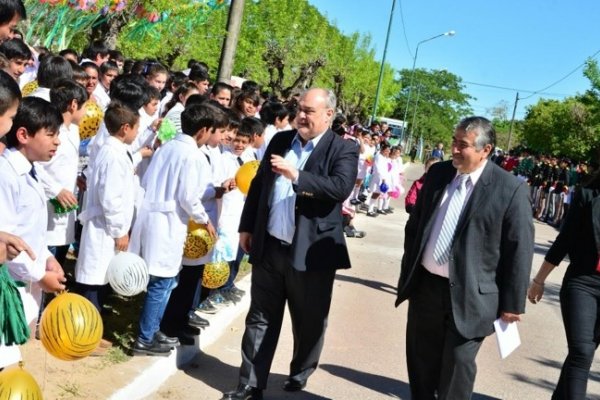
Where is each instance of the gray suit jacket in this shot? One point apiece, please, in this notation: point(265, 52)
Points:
point(492, 251)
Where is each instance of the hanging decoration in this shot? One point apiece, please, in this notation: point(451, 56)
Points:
point(57, 22)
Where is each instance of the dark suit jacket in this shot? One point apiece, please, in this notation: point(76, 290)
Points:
point(492, 251)
point(325, 182)
point(580, 235)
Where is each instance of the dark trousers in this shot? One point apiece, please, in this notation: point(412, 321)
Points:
point(439, 359)
point(308, 295)
point(181, 301)
point(580, 307)
point(95, 293)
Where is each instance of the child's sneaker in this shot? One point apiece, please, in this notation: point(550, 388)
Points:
point(206, 307)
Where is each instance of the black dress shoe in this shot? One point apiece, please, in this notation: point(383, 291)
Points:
point(243, 392)
point(197, 321)
point(168, 341)
point(154, 349)
point(293, 385)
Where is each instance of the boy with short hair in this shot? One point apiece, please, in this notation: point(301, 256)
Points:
point(33, 137)
point(18, 55)
point(11, 12)
point(231, 212)
point(109, 205)
point(255, 127)
point(59, 175)
point(169, 204)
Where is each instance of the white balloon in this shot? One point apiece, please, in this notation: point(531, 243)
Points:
point(128, 274)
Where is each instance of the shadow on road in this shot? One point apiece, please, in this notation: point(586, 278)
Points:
point(381, 384)
point(384, 287)
point(224, 377)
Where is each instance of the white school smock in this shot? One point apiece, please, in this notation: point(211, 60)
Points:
point(172, 196)
point(24, 213)
point(232, 206)
point(102, 97)
point(55, 175)
point(111, 193)
point(207, 190)
point(381, 172)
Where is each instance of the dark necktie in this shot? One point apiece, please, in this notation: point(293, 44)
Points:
point(239, 160)
point(32, 173)
point(130, 157)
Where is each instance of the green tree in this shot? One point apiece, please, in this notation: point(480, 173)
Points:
point(437, 103)
point(563, 128)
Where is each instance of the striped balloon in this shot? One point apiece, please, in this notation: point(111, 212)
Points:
point(128, 274)
point(18, 384)
point(71, 327)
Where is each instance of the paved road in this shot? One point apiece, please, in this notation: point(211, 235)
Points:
point(364, 356)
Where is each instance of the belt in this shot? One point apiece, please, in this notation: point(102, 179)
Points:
point(280, 242)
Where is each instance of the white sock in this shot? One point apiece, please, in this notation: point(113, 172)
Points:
point(386, 203)
point(380, 203)
point(355, 192)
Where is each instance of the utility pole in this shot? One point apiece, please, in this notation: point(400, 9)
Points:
point(381, 69)
point(234, 22)
point(512, 122)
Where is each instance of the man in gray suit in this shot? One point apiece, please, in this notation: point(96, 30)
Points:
point(467, 258)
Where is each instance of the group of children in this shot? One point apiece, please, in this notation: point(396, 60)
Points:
point(127, 189)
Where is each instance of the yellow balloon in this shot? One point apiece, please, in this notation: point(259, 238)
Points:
point(215, 274)
point(17, 384)
point(198, 241)
point(89, 124)
point(244, 175)
point(71, 327)
point(29, 88)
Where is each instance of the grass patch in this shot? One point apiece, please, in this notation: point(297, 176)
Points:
point(70, 390)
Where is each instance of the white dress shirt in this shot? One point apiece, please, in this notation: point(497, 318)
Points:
point(428, 260)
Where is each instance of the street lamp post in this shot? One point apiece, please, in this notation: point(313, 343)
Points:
point(412, 73)
point(381, 69)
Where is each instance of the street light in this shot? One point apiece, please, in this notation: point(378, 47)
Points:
point(412, 74)
point(387, 38)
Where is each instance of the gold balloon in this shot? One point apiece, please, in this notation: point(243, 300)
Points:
point(198, 242)
point(29, 88)
point(244, 175)
point(18, 384)
point(89, 124)
point(215, 274)
point(71, 327)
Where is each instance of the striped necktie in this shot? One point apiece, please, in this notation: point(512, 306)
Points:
point(441, 252)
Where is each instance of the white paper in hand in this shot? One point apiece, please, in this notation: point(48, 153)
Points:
point(507, 336)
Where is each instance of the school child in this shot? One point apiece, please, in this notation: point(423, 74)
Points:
point(176, 105)
point(221, 93)
point(379, 177)
point(365, 162)
point(156, 75)
point(33, 137)
point(13, 11)
point(51, 70)
point(219, 185)
point(146, 137)
point(396, 178)
point(257, 129)
point(109, 204)
point(169, 204)
point(108, 72)
point(276, 118)
point(411, 197)
point(59, 175)
point(233, 204)
point(18, 55)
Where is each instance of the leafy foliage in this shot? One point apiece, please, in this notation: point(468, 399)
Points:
point(437, 103)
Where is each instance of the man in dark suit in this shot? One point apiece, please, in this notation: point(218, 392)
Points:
point(467, 258)
point(292, 227)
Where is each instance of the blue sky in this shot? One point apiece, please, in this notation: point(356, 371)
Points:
point(521, 44)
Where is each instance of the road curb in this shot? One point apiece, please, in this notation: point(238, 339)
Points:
point(157, 370)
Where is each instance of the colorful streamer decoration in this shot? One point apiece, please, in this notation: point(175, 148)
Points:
point(57, 22)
